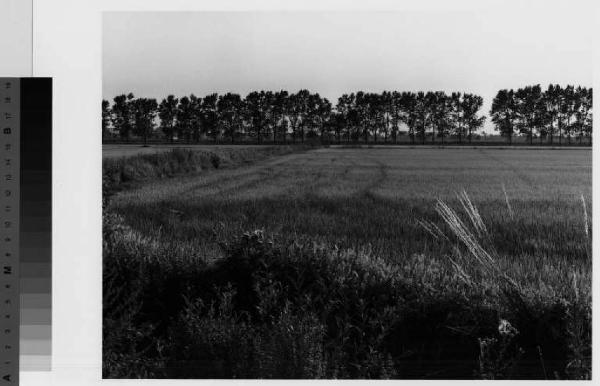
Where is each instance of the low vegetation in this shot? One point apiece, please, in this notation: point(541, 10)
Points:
point(119, 172)
point(358, 269)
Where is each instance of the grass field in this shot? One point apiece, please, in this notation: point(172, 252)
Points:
point(120, 150)
point(359, 197)
point(381, 204)
point(128, 150)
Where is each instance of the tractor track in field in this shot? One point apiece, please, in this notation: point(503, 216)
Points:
point(377, 181)
point(191, 186)
point(264, 177)
point(259, 176)
point(349, 168)
point(361, 188)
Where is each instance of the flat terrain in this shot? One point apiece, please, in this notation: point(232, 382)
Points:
point(127, 150)
point(374, 197)
point(356, 273)
point(124, 150)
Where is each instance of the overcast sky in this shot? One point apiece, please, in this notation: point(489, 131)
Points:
point(153, 54)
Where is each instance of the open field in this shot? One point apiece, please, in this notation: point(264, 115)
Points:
point(128, 150)
point(359, 197)
point(121, 150)
point(441, 303)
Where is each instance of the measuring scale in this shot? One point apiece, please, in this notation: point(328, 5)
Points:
point(25, 226)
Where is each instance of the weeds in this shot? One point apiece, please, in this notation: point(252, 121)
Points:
point(498, 356)
point(510, 211)
point(134, 169)
point(370, 302)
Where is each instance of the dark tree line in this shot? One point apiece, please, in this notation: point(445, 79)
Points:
point(556, 114)
point(384, 116)
point(424, 117)
point(263, 115)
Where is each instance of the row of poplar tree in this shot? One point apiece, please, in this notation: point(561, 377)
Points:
point(554, 114)
point(282, 117)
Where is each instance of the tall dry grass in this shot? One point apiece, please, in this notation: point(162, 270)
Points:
point(479, 267)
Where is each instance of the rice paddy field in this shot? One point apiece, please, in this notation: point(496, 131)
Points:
point(476, 263)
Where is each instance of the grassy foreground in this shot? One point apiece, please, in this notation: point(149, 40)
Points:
point(358, 270)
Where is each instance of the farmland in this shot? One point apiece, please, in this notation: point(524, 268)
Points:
point(382, 206)
point(120, 150)
point(358, 197)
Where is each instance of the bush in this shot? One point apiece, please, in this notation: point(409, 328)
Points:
point(293, 309)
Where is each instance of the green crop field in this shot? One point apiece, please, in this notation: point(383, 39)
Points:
point(428, 218)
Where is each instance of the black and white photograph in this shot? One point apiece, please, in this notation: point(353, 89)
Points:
point(348, 194)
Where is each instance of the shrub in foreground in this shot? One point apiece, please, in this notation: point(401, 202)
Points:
point(291, 309)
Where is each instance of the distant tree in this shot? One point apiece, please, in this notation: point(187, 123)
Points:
point(144, 115)
point(309, 120)
point(270, 121)
point(279, 113)
point(441, 110)
point(373, 115)
point(457, 119)
point(106, 116)
point(354, 118)
point(184, 117)
point(552, 104)
point(337, 124)
point(258, 110)
point(321, 113)
point(196, 126)
point(567, 110)
point(209, 116)
point(361, 115)
point(167, 111)
point(122, 115)
point(503, 113)
point(343, 109)
point(294, 115)
point(410, 117)
point(588, 126)
point(381, 121)
point(556, 107)
point(583, 112)
point(396, 114)
point(470, 106)
point(422, 114)
point(301, 110)
point(530, 110)
point(230, 113)
point(386, 108)
point(434, 105)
